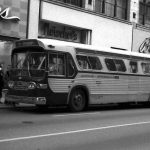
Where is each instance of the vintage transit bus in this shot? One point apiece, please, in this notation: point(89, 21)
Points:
point(47, 72)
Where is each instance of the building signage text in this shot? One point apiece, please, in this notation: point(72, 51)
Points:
point(5, 14)
point(60, 32)
point(65, 34)
point(145, 46)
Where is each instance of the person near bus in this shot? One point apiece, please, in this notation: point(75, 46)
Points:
point(1, 81)
point(53, 66)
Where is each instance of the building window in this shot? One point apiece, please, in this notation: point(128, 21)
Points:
point(63, 32)
point(72, 2)
point(5, 53)
point(114, 8)
point(144, 13)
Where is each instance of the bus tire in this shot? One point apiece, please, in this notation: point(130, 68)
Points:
point(77, 101)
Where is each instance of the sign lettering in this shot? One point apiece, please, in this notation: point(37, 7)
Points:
point(145, 46)
point(5, 14)
point(61, 32)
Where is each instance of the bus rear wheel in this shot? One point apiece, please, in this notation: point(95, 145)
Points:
point(77, 100)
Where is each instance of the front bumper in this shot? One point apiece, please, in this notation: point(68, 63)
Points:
point(26, 100)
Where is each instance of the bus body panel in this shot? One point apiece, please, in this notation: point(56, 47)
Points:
point(60, 85)
point(105, 88)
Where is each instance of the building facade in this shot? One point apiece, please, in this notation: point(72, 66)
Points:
point(121, 24)
point(13, 26)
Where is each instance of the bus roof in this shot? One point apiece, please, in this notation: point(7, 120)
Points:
point(49, 43)
point(85, 47)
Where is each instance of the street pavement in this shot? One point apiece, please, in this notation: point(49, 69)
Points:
point(104, 128)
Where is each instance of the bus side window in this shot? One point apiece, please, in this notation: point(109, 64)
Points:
point(120, 66)
point(61, 64)
point(145, 67)
point(83, 62)
point(95, 63)
point(110, 64)
point(52, 63)
point(56, 64)
point(71, 66)
point(133, 67)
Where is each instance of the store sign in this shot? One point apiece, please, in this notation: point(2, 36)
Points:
point(5, 14)
point(60, 32)
point(64, 33)
point(145, 46)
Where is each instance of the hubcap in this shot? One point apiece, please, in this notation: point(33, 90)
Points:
point(78, 100)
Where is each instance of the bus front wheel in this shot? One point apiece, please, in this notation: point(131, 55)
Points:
point(77, 100)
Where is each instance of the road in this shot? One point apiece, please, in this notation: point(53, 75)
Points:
point(103, 128)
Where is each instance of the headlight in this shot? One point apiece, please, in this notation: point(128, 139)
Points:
point(42, 86)
point(32, 85)
point(11, 84)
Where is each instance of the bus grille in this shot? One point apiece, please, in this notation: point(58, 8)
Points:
point(21, 85)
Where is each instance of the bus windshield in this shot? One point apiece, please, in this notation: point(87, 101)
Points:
point(33, 62)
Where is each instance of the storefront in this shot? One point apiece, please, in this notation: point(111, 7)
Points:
point(63, 32)
point(13, 26)
point(68, 23)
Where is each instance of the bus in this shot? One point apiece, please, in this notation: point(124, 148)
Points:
point(47, 72)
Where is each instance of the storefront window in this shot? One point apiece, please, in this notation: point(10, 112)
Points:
point(65, 33)
point(5, 54)
point(144, 13)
